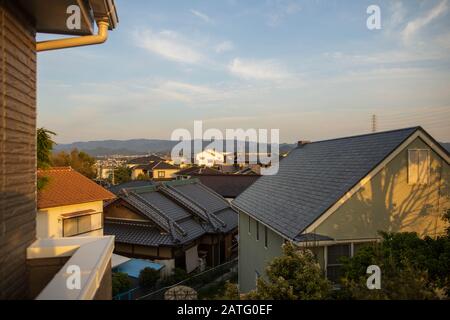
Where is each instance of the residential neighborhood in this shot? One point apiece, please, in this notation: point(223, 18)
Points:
point(333, 185)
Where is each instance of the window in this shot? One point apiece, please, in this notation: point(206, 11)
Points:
point(81, 224)
point(334, 264)
point(249, 225)
point(257, 230)
point(418, 166)
point(161, 174)
point(266, 240)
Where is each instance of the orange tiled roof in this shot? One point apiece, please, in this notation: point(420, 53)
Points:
point(66, 187)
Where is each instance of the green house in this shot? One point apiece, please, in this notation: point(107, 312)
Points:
point(333, 196)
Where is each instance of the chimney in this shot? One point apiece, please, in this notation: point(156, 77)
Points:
point(301, 143)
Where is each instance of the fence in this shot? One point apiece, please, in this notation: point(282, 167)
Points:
point(196, 281)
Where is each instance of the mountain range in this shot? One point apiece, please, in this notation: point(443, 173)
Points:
point(137, 147)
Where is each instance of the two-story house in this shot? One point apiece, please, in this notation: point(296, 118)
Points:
point(332, 196)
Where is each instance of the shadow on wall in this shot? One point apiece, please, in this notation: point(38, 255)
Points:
point(389, 203)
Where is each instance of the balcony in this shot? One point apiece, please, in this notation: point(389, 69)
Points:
point(51, 263)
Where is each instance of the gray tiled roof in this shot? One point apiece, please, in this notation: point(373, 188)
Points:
point(165, 210)
point(313, 177)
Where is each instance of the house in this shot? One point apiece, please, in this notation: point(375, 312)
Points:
point(116, 189)
point(31, 268)
point(210, 158)
point(144, 160)
point(333, 196)
point(181, 224)
point(156, 171)
point(187, 173)
point(69, 205)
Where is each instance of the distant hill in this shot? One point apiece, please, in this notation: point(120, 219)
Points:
point(134, 147)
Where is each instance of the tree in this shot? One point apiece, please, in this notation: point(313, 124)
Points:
point(122, 174)
point(80, 161)
point(44, 147)
point(295, 275)
point(148, 277)
point(120, 283)
point(411, 268)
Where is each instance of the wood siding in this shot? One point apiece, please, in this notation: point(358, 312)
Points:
point(17, 148)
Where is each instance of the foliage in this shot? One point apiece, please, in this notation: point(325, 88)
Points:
point(412, 268)
point(120, 283)
point(143, 177)
point(122, 174)
point(231, 291)
point(295, 275)
point(148, 277)
point(79, 161)
point(177, 276)
point(44, 147)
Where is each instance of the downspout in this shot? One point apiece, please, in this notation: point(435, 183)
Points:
point(100, 37)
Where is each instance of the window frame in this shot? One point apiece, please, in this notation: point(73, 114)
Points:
point(161, 174)
point(428, 171)
point(77, 218)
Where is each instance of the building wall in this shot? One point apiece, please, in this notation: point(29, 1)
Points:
point(253, 255)
point(169, 173)
point(41, 272)
point(389, 203)
point(17, 148)
point(49, 221)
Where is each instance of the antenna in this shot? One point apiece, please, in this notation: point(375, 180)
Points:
point(374, 123)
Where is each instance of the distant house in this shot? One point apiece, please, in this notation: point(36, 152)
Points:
point(144, 160)
point(228, 186)
point(187, 173)
point(210, 158)
point(69, 205)
point(156, 171)
point(335, 195)
point(180, 223)
point(116, 189)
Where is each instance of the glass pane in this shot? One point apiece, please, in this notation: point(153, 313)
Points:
point(70, 227)
point(413, 166)
point(84, 224)
point(423, 166)
point(334, 273)
point(336, 252)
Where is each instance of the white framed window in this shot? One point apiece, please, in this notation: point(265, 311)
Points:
point(334, 253)
point(82, 224)
point(161, 174)
point(418, 166)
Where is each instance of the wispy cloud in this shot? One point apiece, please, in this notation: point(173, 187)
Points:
point(224, 47)
point(416, 25)
point(280, 9)
point(186, 92)
point(202, 16)
point(258, 69)
point(169, 45)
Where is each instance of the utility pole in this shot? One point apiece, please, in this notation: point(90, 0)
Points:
point(374, 123)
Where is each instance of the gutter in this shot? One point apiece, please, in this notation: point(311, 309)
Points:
point(99, 38)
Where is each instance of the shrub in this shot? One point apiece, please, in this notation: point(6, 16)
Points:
point(120, 283)
point(148, 277)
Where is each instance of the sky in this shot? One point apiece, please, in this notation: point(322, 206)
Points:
point(311, 69)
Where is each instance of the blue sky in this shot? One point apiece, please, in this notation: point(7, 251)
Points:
point(309, 68)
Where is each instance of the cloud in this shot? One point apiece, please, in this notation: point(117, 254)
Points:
point(280, 9)
point(224, 47)
point(257, 69)
point(416, 25)
point(169, 45)
point(202, 16)
point(187, 92)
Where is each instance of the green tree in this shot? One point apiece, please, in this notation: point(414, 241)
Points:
point(120, 283)
point(148, 277)
point(122, 174)
point(295, 275)
point(44, 147)
point(411, 268)
point(80, 161)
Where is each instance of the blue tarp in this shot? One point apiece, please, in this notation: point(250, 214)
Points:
point(134, 267)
